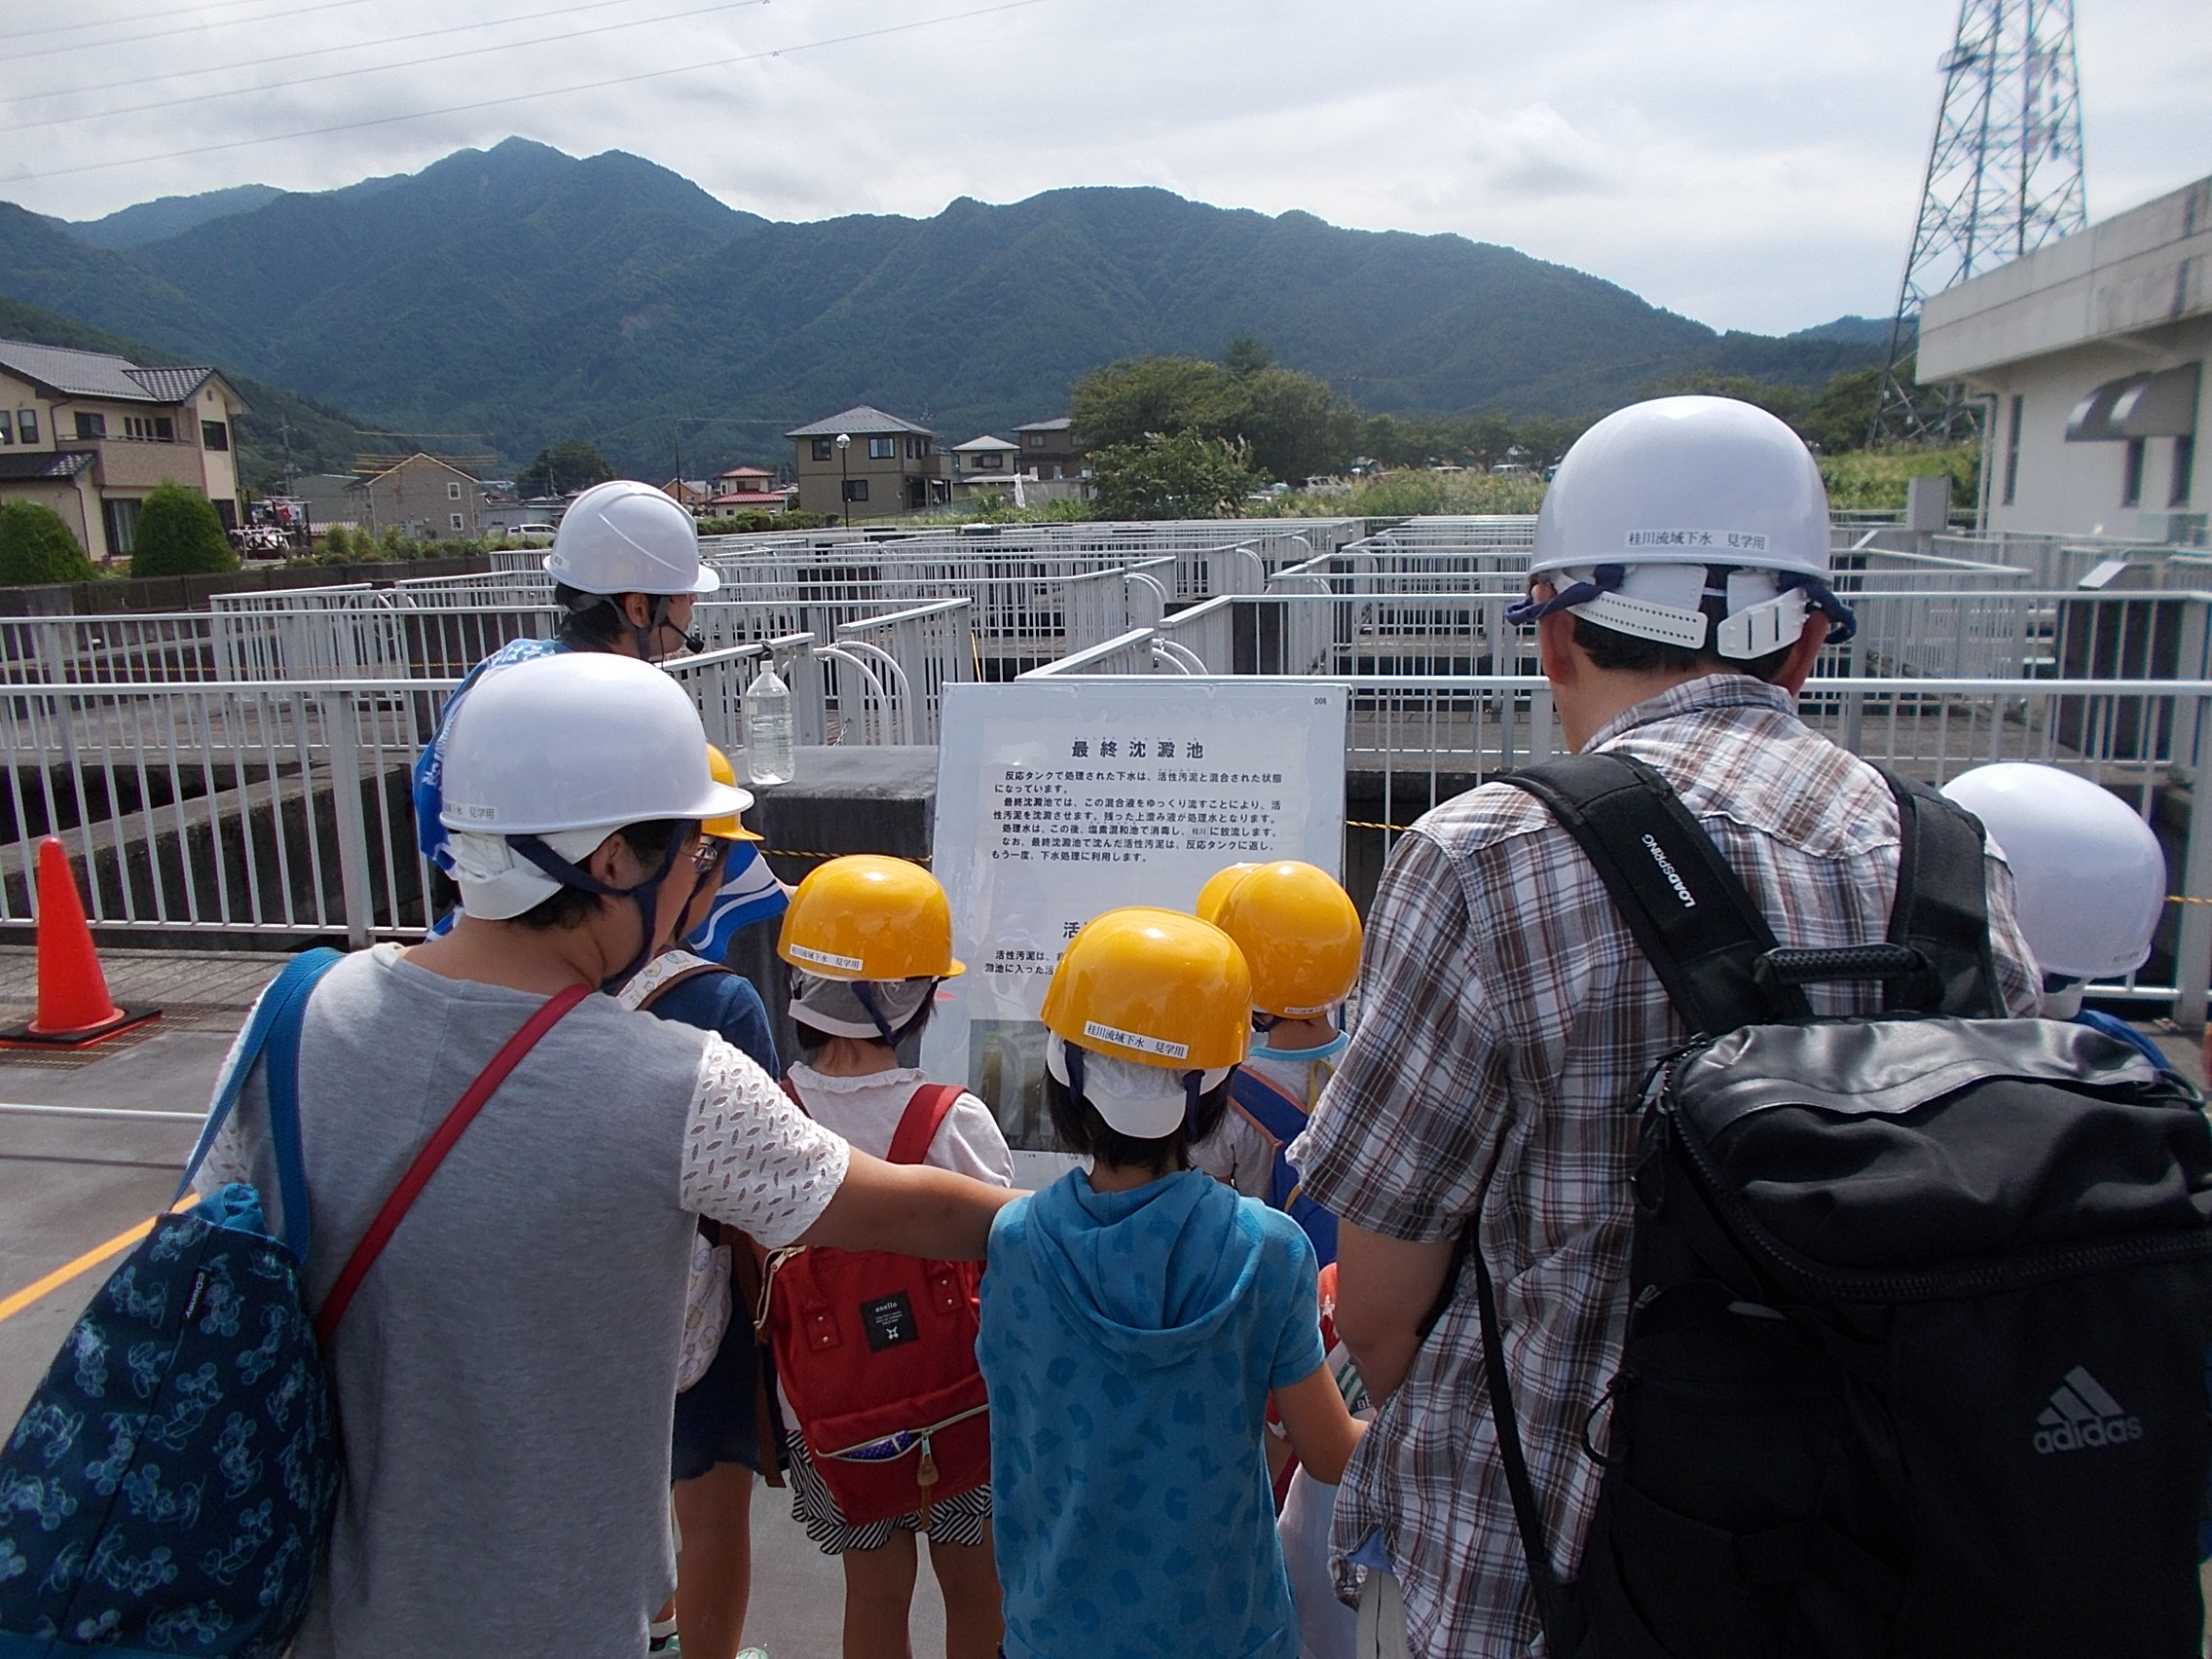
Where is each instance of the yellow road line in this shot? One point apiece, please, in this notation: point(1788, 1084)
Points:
point(14, 1305)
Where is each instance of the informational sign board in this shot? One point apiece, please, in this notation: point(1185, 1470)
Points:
point(1057, 802)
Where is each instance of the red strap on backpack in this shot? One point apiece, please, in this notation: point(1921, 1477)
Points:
point(927, 1109)
point(918, 1124)
point(433, 1153)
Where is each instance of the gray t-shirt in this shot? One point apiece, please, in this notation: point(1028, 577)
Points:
point(505, 1377)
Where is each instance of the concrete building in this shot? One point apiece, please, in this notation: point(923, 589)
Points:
point(423, 496)
point(1051, 449)
point(91, 434)
point(891, 467)
point(2093, 350)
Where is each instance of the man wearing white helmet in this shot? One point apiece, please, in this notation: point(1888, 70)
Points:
point(626, 572)
point(505, 1372)
point(1679, 590)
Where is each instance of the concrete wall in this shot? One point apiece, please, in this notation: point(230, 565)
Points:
point(2129, 295)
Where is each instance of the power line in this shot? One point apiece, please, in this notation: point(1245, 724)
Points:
point(167, 11)
point(286, 12)
point(380, 69)
point(522, 98)
point(350, 46)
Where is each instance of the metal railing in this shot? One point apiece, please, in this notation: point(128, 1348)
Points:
point(259, 806)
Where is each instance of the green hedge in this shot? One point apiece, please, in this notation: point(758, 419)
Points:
point(36, 546)
point(180, 535)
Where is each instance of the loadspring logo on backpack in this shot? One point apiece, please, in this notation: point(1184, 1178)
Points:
point(1890, 1281)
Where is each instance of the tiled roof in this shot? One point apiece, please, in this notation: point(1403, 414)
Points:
point(43, 463)
point(978, 446)
point(171, 385)
point(1059, 425)
point(860, 420)
point(98, 374)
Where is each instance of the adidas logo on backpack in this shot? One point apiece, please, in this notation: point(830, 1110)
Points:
point(2082, 1416)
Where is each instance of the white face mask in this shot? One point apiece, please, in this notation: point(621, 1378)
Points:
point(1328, 1051)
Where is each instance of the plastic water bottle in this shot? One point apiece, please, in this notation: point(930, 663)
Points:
point(769, 757)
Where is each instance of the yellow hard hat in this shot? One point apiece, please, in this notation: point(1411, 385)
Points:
point(728, 828)
point(867, 917)
point(1153, 986)
point(1300, 935)
point(1216, 889)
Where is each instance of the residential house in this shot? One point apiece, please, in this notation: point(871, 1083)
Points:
point(2093, 350)
point(692, 493)
point(749, 488)
point(91, 434)
point(422, 496)
point(982, 464)
point(1049, 449)
point(889, 467)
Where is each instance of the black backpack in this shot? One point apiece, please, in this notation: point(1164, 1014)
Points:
point(1916, 1355)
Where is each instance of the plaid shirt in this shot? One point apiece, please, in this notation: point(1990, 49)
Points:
point(1506, 1013)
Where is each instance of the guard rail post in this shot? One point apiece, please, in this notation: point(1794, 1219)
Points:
point(339, 716)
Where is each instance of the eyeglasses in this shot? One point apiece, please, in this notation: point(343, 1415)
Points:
point(708, 854)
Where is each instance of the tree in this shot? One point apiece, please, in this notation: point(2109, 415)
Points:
point(180, 535)
point(1246, 357)
point(1172, 475)
point(36, 546)
point(570, 465)
point(1292, 424)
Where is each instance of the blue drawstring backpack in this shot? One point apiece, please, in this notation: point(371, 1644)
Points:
point(169, 1488)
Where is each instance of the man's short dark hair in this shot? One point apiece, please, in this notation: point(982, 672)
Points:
point(590, 621)
point(571, 906)
point(1632, 653)
point(1081, 1131)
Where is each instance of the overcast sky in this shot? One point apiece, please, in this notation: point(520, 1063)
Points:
point(1753, 164)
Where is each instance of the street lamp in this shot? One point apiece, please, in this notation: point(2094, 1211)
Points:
point(845, 477)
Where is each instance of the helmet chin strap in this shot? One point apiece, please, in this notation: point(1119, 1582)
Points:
point(642, 895)
point(648, 637)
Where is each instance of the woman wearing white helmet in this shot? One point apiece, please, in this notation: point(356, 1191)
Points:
point(626, 573)
point(505, 1373)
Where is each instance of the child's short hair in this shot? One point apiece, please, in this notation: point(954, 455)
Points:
point(1081, 1131)
point(812, 1039)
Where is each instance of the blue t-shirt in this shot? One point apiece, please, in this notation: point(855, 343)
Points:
point(725, 1003)
point(1130, 1340)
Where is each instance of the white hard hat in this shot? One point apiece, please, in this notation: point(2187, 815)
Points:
point(582, 740)
point(623, 536)
point(1656, 495)
point(2088, 876)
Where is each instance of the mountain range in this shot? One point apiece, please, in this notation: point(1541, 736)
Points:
point(506, 298)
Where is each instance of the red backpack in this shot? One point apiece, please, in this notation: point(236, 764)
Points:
point(876, 1354)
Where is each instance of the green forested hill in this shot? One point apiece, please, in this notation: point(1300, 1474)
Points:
point(529, 296)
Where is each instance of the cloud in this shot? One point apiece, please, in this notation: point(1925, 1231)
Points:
point(1751, 163)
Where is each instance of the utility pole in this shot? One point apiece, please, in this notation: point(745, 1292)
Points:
point(676, 432)
point(2004, 177)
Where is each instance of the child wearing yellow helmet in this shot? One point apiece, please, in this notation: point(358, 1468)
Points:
point(1136, 1318)
point(1299, 933)
point(869, 940)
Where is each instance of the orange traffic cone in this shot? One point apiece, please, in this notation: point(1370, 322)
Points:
point(74, 1008)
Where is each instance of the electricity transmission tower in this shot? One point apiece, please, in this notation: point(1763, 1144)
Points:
point(2004, 177)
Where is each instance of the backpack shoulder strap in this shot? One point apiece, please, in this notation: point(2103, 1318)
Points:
point(698, 971)
point(427, 1161)
point(1942, 911)
point(1697, 926)
point(925, 1114)
point(275, 1020)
